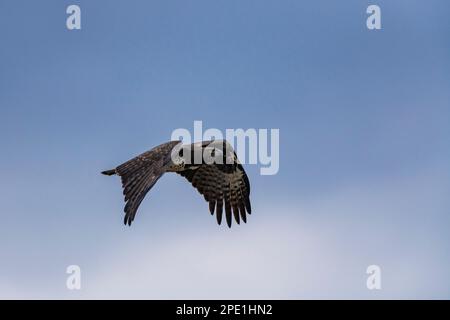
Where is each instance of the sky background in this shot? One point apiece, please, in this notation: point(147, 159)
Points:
point(364, 148)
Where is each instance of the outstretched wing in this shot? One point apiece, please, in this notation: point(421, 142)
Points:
point(139, 174)
point(222, 185)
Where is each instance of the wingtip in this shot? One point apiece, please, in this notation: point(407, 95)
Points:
point(212, 206)
point(127, 220)
point(248, 206)
point(109, 172)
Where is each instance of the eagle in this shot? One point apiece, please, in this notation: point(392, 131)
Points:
point(212, 167)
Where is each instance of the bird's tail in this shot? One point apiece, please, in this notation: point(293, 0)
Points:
point(109, 172)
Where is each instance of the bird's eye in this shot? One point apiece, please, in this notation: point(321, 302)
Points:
point(180, 153)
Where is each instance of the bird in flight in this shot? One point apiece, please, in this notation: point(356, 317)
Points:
point(212, 167)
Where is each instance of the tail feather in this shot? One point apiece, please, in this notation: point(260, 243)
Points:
point(109, 172)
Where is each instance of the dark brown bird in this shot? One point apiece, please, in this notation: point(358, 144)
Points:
point(212, 167)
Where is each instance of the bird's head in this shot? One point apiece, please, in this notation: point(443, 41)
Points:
point(176, 159)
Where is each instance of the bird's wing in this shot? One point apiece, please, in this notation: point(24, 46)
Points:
point(222, 185)
point(139, 174)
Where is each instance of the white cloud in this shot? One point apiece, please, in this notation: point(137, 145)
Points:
point(319, 249)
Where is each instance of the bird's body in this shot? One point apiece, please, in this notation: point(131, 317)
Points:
point(211, 166)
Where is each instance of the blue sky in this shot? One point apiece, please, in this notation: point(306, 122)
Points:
point(364, 147)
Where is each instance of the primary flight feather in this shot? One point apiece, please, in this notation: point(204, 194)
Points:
point(212, 167)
